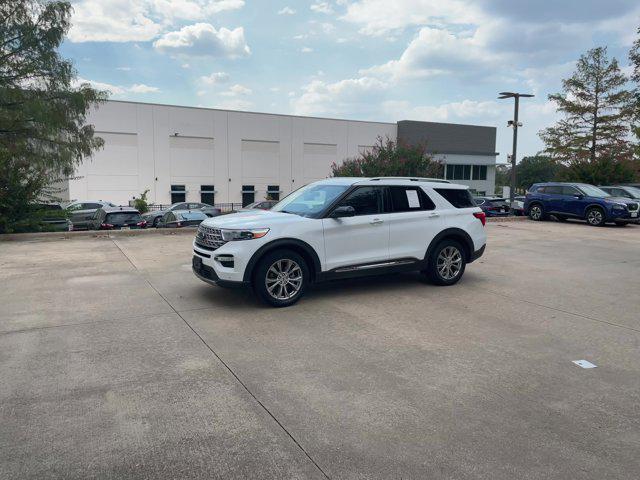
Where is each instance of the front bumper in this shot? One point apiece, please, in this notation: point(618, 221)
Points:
point(209, 275)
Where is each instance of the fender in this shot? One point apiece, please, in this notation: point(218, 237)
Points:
point(282, 243)
point(452, 232)
point(601, 207)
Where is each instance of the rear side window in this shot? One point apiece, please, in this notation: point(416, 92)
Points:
point(408, 199)
point(458, 197)
point(553, 190)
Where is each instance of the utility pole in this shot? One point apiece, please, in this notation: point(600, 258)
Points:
point(514, 124)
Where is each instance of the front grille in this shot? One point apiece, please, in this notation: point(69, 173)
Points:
point(209, 238)
point(632, 207)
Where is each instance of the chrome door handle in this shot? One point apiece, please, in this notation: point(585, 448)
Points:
point(434, 215)
point(376, 221)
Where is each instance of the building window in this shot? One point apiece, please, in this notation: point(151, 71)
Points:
point(458, 172)
point(273, 192)
point(178, 193)
point(479, 172)
point(248, 195)
point(207, 194)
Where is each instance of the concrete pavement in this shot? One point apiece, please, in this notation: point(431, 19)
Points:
point(118, 363)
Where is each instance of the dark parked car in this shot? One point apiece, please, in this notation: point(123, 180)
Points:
point(153, 217)
point(493, 206)
point(622, 191)
point(181, 218)
point(263, 205)
point(581, 201)
point(117, 218)
point(53, 217)
point(81, 213)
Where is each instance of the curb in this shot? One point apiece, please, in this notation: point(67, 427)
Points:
point(506, 219)
point(51, 236)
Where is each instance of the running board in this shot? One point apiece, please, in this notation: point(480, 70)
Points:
point(392, 263)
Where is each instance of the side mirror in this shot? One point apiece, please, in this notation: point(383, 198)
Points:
point(579, 196)
point(343, 211)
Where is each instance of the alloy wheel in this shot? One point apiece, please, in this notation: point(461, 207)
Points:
point(594, 217)
point(449, 263)
point(536, 212)
point(283, 279)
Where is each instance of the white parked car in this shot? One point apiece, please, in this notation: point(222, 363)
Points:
point(343, 227)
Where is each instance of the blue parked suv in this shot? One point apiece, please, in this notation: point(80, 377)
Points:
point(581, 201)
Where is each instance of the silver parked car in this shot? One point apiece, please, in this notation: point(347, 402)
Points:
point(154, 217)
point(181, 218)
point(81, 213)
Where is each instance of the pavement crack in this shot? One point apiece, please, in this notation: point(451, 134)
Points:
point(229, 369)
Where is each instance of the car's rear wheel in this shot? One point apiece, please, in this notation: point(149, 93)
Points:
point(595, 217)
point(280, 278)
point(155, 222)
point(447, 263)
point(536, 212)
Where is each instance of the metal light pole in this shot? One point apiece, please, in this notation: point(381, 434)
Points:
point(515, 124)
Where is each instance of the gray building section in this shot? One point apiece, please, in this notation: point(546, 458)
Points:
point(467, 151)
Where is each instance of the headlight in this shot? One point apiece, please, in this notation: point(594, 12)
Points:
point(229, 235)
point(619, 206)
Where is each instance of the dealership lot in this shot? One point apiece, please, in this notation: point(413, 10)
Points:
point(116, 362)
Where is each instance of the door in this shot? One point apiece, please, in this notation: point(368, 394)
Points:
point(573, 204)
point(553, 198)
point(82, 213)
point(413, 222)
point(363, 238)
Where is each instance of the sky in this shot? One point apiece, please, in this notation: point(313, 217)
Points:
point(379, 60)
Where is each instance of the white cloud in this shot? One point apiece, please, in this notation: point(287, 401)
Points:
point(342, 97)
point(124, 69)
point(236, 91)
point(322, 7)
point(137, 20)
point(286, 11)
point(142, 88)
point(215, 78)
point(117, 90)
point(202, 39)
point(437, 52)
point(306, 50)
point(379, 17)
point(112, 21)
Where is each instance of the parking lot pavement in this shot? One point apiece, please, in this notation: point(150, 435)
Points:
point(117, 363)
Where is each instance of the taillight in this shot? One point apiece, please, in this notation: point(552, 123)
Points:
point(106, 226)
point(481, 216)
point(142, 223)
point(178, 224)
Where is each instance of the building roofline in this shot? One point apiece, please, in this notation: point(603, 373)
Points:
point(448, 123)
point(251, 112)
point(452, 152)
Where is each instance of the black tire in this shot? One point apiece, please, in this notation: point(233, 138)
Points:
point(595, 217)
point(435, 272)
point(154, 224)
point(266, 272)
point(536, 212)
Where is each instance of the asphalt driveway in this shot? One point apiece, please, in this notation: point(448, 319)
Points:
point(116, 362)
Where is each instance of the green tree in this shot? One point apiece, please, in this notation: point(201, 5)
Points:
point(634, 58)
point(597, 109)
point(390, 159)
point(43, 134)
point(141, 204)
point(539, 168)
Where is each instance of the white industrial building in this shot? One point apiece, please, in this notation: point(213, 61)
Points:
point(222, 156)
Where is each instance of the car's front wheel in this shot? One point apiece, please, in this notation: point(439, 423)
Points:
point(595, 217)
point(447, 263)
point(280, 278)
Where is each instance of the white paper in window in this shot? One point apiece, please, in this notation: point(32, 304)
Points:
point(412, 198)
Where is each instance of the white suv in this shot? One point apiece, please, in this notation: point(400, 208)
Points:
point(343, 227)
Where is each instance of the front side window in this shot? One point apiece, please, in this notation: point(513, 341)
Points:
point(407, 199)
point(365, 200)
point(310, 200)
point(178, 193)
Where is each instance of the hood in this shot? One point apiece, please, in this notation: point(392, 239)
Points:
point(252, 219)
point(624, 200)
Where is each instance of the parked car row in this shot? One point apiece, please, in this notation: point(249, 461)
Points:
point(615, 204)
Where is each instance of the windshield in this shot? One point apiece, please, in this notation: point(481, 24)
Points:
point(310, 199)
point(592, 191)
point(633, 191)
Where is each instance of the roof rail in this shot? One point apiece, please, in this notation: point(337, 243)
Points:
point(413, 179)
